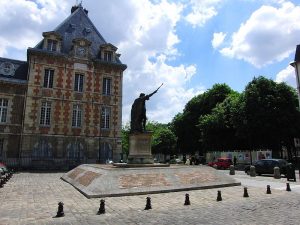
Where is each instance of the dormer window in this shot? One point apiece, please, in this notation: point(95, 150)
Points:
point(108, 56)
point(52, 41)
point(108, 52)
point(51, 45)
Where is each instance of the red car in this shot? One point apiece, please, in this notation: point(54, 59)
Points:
point(221, 163)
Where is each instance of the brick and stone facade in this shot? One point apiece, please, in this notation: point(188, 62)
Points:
point(68, 110)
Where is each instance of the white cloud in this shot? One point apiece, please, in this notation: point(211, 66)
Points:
point(144, 31)
point(218, 39)
point(171, 97)
point(288, 76)
point(22, 23)
point(147, 45)
point(202, 11)
point(259, 40)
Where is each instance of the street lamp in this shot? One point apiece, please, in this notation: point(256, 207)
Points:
point(296, 65)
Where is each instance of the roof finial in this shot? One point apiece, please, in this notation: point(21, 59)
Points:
point(78, 5)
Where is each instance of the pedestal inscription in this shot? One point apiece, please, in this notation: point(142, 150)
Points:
point(140, 148)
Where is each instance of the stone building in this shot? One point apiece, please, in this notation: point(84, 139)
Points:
point(63, 106)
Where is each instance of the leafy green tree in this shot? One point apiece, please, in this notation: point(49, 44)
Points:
point(218, 128)
point(125, 139)
point(163, 139)
point(271, 114)
point(185, 124)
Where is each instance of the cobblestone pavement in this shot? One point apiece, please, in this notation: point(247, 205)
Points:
point(32, 198)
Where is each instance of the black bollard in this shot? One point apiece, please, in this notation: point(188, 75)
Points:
point(148, 204)
point(60, 211)
point(219, 197)
point(187, 200)
point(268, 189)
point(102, 207)
point(1, 183)
point(245, 193)
point(288, 188)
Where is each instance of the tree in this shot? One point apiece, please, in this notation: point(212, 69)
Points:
point(163, 139)
point(218, 127)
point(271, 113)
point(125, 139)
point(185, 124)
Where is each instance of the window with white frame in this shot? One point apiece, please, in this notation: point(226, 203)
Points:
point(78, 86)
point(48, 78)
point(105, 118)
point(1, 147)
point(3, 110)
point(108, 56)
point(106, 87)
point(76, 116)
point(45, 114)
point(51, 45)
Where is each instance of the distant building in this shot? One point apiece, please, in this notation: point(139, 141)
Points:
point(63, 106)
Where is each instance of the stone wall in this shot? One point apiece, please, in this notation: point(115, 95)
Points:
point(10, 131)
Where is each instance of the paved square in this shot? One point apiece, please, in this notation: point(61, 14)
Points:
point(32, 198)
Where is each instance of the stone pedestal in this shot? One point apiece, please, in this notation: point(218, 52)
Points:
point(140, 148)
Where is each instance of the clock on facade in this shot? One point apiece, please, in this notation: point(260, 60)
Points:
point(7, 69)
point(81, 51)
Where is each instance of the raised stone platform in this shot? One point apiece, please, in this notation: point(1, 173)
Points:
point(94, 180)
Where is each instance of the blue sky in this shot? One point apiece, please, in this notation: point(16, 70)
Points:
point(189, 45)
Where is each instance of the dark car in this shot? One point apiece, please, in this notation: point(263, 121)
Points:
point(266, 166)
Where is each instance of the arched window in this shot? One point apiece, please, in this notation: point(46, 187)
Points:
point(75, 150)
point(105, 153)
point(42, 149)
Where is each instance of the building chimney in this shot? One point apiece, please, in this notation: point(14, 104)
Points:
point(74, 8)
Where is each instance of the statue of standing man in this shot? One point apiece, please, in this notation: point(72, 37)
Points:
point(138, 113)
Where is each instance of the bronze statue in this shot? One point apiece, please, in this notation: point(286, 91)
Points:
point(138, 113)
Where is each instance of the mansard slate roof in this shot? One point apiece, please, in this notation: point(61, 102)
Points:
point(78, 25)
point(19, 74)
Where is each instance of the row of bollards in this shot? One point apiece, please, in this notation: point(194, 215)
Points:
point(60, 211)
point(290, 172)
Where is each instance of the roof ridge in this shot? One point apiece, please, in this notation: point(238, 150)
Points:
point(16, 60)
point(73, 14)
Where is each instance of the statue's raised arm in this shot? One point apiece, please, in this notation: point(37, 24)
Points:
point(138, 112)
point(154, 91)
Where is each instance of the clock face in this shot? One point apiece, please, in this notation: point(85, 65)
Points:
point(7, 68)
point(81, 52)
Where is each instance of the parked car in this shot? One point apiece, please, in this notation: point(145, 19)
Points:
point(266, 166)
point(221, 163)
point(3, 169)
